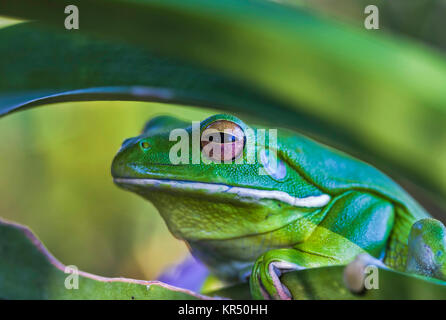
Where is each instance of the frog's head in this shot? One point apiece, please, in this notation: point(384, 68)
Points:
point(202, 198)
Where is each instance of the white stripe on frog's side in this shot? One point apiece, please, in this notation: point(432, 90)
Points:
point(307, 202)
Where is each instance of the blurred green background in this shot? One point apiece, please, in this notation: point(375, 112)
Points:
point(55, 178)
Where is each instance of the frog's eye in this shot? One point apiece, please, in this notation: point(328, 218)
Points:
point(222, 140)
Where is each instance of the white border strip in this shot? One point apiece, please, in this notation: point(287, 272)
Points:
point(307, 202)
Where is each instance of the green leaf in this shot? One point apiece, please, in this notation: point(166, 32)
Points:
point(81, 68)
point(85, 68)
point(378, 97)
point(328, 283)
point(29, 271)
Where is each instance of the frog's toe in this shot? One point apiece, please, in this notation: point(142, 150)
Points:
point(427, 249)
point(265, 279)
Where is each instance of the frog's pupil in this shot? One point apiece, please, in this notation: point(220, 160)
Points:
point(225, 137)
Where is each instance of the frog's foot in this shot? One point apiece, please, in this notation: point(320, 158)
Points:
point(427, 249)
point(355, 271)
point(265, 277)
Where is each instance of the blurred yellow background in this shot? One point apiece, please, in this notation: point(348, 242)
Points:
point(55, 177)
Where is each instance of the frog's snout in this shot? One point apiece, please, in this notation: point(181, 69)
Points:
point(119, 167)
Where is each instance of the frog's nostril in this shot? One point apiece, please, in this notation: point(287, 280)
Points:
point(145, 145)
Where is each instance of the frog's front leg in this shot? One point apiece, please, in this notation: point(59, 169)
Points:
point(427, 249)
point(265, 277)
point(354, 223)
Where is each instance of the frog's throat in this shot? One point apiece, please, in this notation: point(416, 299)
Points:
point(307, 202)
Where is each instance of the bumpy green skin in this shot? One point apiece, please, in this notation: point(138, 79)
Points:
point(427, 244)
point(238, 236)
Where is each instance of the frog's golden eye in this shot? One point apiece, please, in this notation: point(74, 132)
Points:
point(222, 140)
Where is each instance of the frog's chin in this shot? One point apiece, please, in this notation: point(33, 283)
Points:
point(241, 193)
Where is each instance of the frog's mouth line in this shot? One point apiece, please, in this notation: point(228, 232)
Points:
point(256, 194)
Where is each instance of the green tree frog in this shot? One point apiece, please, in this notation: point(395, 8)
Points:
point(316, 207)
